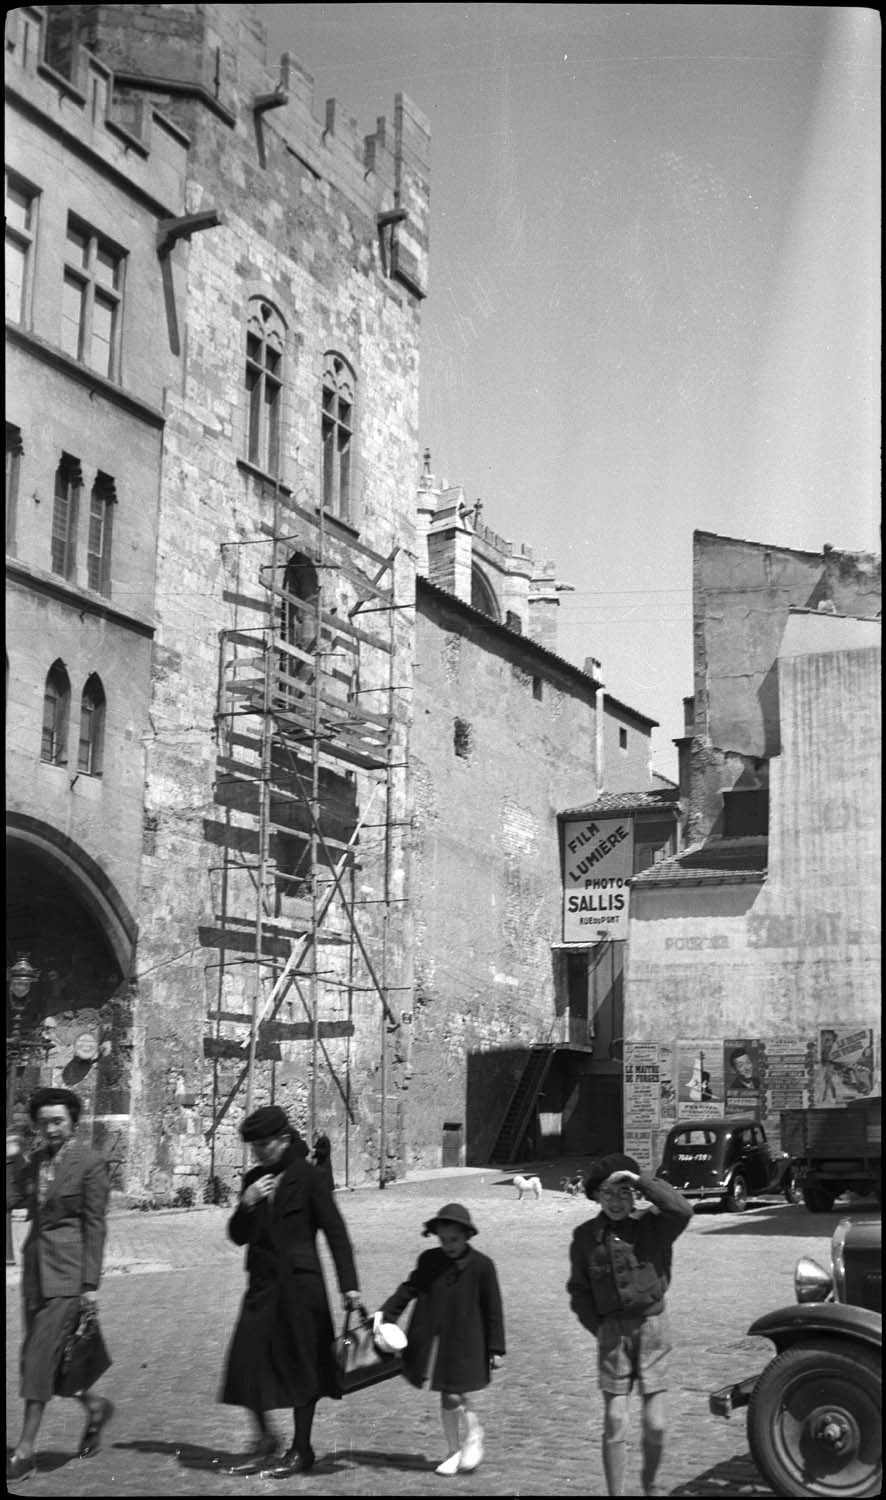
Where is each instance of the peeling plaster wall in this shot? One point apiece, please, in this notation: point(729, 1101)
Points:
point(800, 950)
point(742, 593)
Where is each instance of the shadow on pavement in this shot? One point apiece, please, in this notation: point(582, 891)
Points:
point(189, 1455)
point(735, 1476)
point(47, 1461)
point(786, 1220)
point(372, 1458)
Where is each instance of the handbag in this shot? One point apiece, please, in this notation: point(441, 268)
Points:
point(358, 1361)
point(84, 1357)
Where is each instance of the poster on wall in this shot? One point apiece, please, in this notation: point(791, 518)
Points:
point(744, 1071)
point(667, 1084)
point(639, 1145)
point(598, 861)
point(789, 1074)
point(845, 1066)
point(699, 1079)
point(641, 1086)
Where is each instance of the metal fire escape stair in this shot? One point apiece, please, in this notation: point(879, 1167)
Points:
point(519, 1112)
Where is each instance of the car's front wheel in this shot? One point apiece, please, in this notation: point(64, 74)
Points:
point(737, 1196)
point(814, 1424)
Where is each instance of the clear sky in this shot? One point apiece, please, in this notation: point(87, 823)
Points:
point(654, 287)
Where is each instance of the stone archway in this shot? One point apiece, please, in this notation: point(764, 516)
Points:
point(63, 912)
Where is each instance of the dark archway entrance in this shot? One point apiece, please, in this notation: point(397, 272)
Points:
point(74, 1026)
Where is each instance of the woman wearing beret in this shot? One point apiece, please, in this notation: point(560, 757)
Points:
point(64, 1186)
point(281, 1351)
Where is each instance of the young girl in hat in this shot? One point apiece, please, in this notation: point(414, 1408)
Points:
point(457, 1332)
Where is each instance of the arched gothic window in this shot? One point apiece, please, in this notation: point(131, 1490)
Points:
point(56, 708)
point(264, 385)
point(482, 595)
point(298, 622)
point(90, 750)
point(339, 383)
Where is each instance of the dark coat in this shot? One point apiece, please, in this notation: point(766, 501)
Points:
point(459, 1303)
point(62, 1255)
point(281, 1350)
point(624, 1267)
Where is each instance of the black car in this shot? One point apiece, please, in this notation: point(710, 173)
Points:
point(815, 1413)
point(724, 1159)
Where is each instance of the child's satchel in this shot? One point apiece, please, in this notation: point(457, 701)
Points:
point(358, 1359)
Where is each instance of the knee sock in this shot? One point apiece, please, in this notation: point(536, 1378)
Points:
point(449, 1418)
point(653, 1446)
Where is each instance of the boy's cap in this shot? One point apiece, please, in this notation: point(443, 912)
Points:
point(451, 1213)
point(603, 1167)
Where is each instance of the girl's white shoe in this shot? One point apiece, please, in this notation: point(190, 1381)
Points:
point(450, 1465)
point(471, 1455)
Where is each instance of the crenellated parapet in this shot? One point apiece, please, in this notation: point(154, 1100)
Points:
point(211, 60)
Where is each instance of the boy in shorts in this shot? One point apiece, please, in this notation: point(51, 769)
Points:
point(620, 1271)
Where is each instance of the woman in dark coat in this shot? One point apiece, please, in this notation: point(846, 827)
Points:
point(281, 1351)
point(456, 1334)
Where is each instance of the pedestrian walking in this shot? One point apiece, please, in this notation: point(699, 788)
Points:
point(456, 1336)
point(322, 1158)
point(620, 1271)
point(281, 1350)
point(63, 1184)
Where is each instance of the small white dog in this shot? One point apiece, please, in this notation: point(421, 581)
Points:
point(527, 1185)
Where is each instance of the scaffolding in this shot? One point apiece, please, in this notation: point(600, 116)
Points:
point(307, 715)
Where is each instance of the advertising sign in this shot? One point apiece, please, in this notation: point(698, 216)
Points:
point(598, 861)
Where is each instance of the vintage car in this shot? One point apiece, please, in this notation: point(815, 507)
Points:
point(726, 1159)
point(815, 1413)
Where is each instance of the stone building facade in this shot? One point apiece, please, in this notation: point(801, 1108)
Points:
point(322, 732)
point(269, 559)
point(86, 378)
point(761, 937)
point(505, 735)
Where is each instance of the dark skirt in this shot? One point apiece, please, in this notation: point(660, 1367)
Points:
point(281, 1351)
point(47, 1325)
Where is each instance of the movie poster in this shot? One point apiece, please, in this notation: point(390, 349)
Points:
point(699, 1079)
point(744, 1070)
point(789, 1075)
point(641, 1081)
point(667, 1084)
point(845, 1066)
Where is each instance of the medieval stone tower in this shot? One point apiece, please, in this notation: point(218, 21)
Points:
point(272, 954)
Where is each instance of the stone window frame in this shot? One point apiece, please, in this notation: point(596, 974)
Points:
point(21, 242)
point(85, 278)
point(56, 715)
point(91, 737)
point(339, 435)
point(266, 371)
point(102, 499)
point(67, 489)
point(14, 454)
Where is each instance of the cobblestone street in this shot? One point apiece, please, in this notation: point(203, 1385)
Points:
point(173, 1287)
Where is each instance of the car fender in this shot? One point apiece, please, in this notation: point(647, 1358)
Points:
point(799, 1323)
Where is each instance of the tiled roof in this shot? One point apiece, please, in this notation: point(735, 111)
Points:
point(504, 633)
point(661, 798)
point(718, 861)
